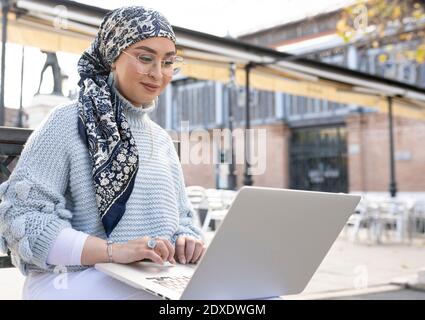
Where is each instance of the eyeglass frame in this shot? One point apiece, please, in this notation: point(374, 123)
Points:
point(175, 70)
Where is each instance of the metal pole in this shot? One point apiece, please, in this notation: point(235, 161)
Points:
point(5, 10)
point(247, 176)
point(20, 122)
point(231, 176)
point(393, 184)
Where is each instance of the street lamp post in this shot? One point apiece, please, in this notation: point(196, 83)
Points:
point(247, 175)
point(393, 183)
point(231, 178)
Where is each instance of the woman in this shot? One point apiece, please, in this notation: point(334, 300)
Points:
point(98, 181)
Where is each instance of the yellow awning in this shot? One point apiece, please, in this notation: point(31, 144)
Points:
point(33, 33)
point(268, 79)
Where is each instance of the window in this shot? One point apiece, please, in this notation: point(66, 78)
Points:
point(194, 102)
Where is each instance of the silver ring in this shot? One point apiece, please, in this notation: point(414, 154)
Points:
point(152, 243)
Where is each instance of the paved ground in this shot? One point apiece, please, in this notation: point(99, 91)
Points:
point(358, 270)
point(361, 269)
point(357, 265)
point(402, 294)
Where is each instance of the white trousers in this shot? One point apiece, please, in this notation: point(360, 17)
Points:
point(89, 284)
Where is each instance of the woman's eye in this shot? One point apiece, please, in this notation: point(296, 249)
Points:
point(168, 63)
point(145, 59)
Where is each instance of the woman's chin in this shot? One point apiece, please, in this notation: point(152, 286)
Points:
point(147, 99)
point(142, 101)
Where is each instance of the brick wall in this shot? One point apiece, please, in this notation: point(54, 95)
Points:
point(368, 156)
point(276, 161)
point(368, 146)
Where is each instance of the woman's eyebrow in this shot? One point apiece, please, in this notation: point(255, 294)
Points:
point(153, 51)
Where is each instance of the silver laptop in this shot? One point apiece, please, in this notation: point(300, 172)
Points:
point(269, 244)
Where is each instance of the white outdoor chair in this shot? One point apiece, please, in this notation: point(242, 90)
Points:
point(417, 219)
point(198, 198)
point(391, 220)
point(366, 218)
point(359, 219)
point(217, 207)
point(227, 197)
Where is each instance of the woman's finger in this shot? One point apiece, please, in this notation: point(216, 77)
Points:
point(161, 249)
point(199, 247)
point(151, 255)
point(180, 249)
point(190, 248)
point(170, 249)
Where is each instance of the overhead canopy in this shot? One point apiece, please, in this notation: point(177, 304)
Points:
point(59, 25)
point(35, 34)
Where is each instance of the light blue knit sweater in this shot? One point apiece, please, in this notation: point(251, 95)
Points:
point(51, 189)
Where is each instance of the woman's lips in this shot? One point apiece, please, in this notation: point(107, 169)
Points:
point(149, 87)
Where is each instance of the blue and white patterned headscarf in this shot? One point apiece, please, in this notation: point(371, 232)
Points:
point(102, 124)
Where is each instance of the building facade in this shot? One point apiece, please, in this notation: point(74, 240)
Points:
point(312, 144)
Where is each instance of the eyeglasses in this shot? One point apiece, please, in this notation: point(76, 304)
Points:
point(145, 63)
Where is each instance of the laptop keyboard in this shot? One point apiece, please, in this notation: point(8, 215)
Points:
point(175, 283)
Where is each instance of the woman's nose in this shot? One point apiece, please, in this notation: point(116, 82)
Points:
point(157, 70)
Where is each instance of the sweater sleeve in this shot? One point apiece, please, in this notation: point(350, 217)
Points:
point(186, 226)
point(32, 209)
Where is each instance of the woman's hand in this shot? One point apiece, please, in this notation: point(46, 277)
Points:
point(136, 250)
point(189, 250)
